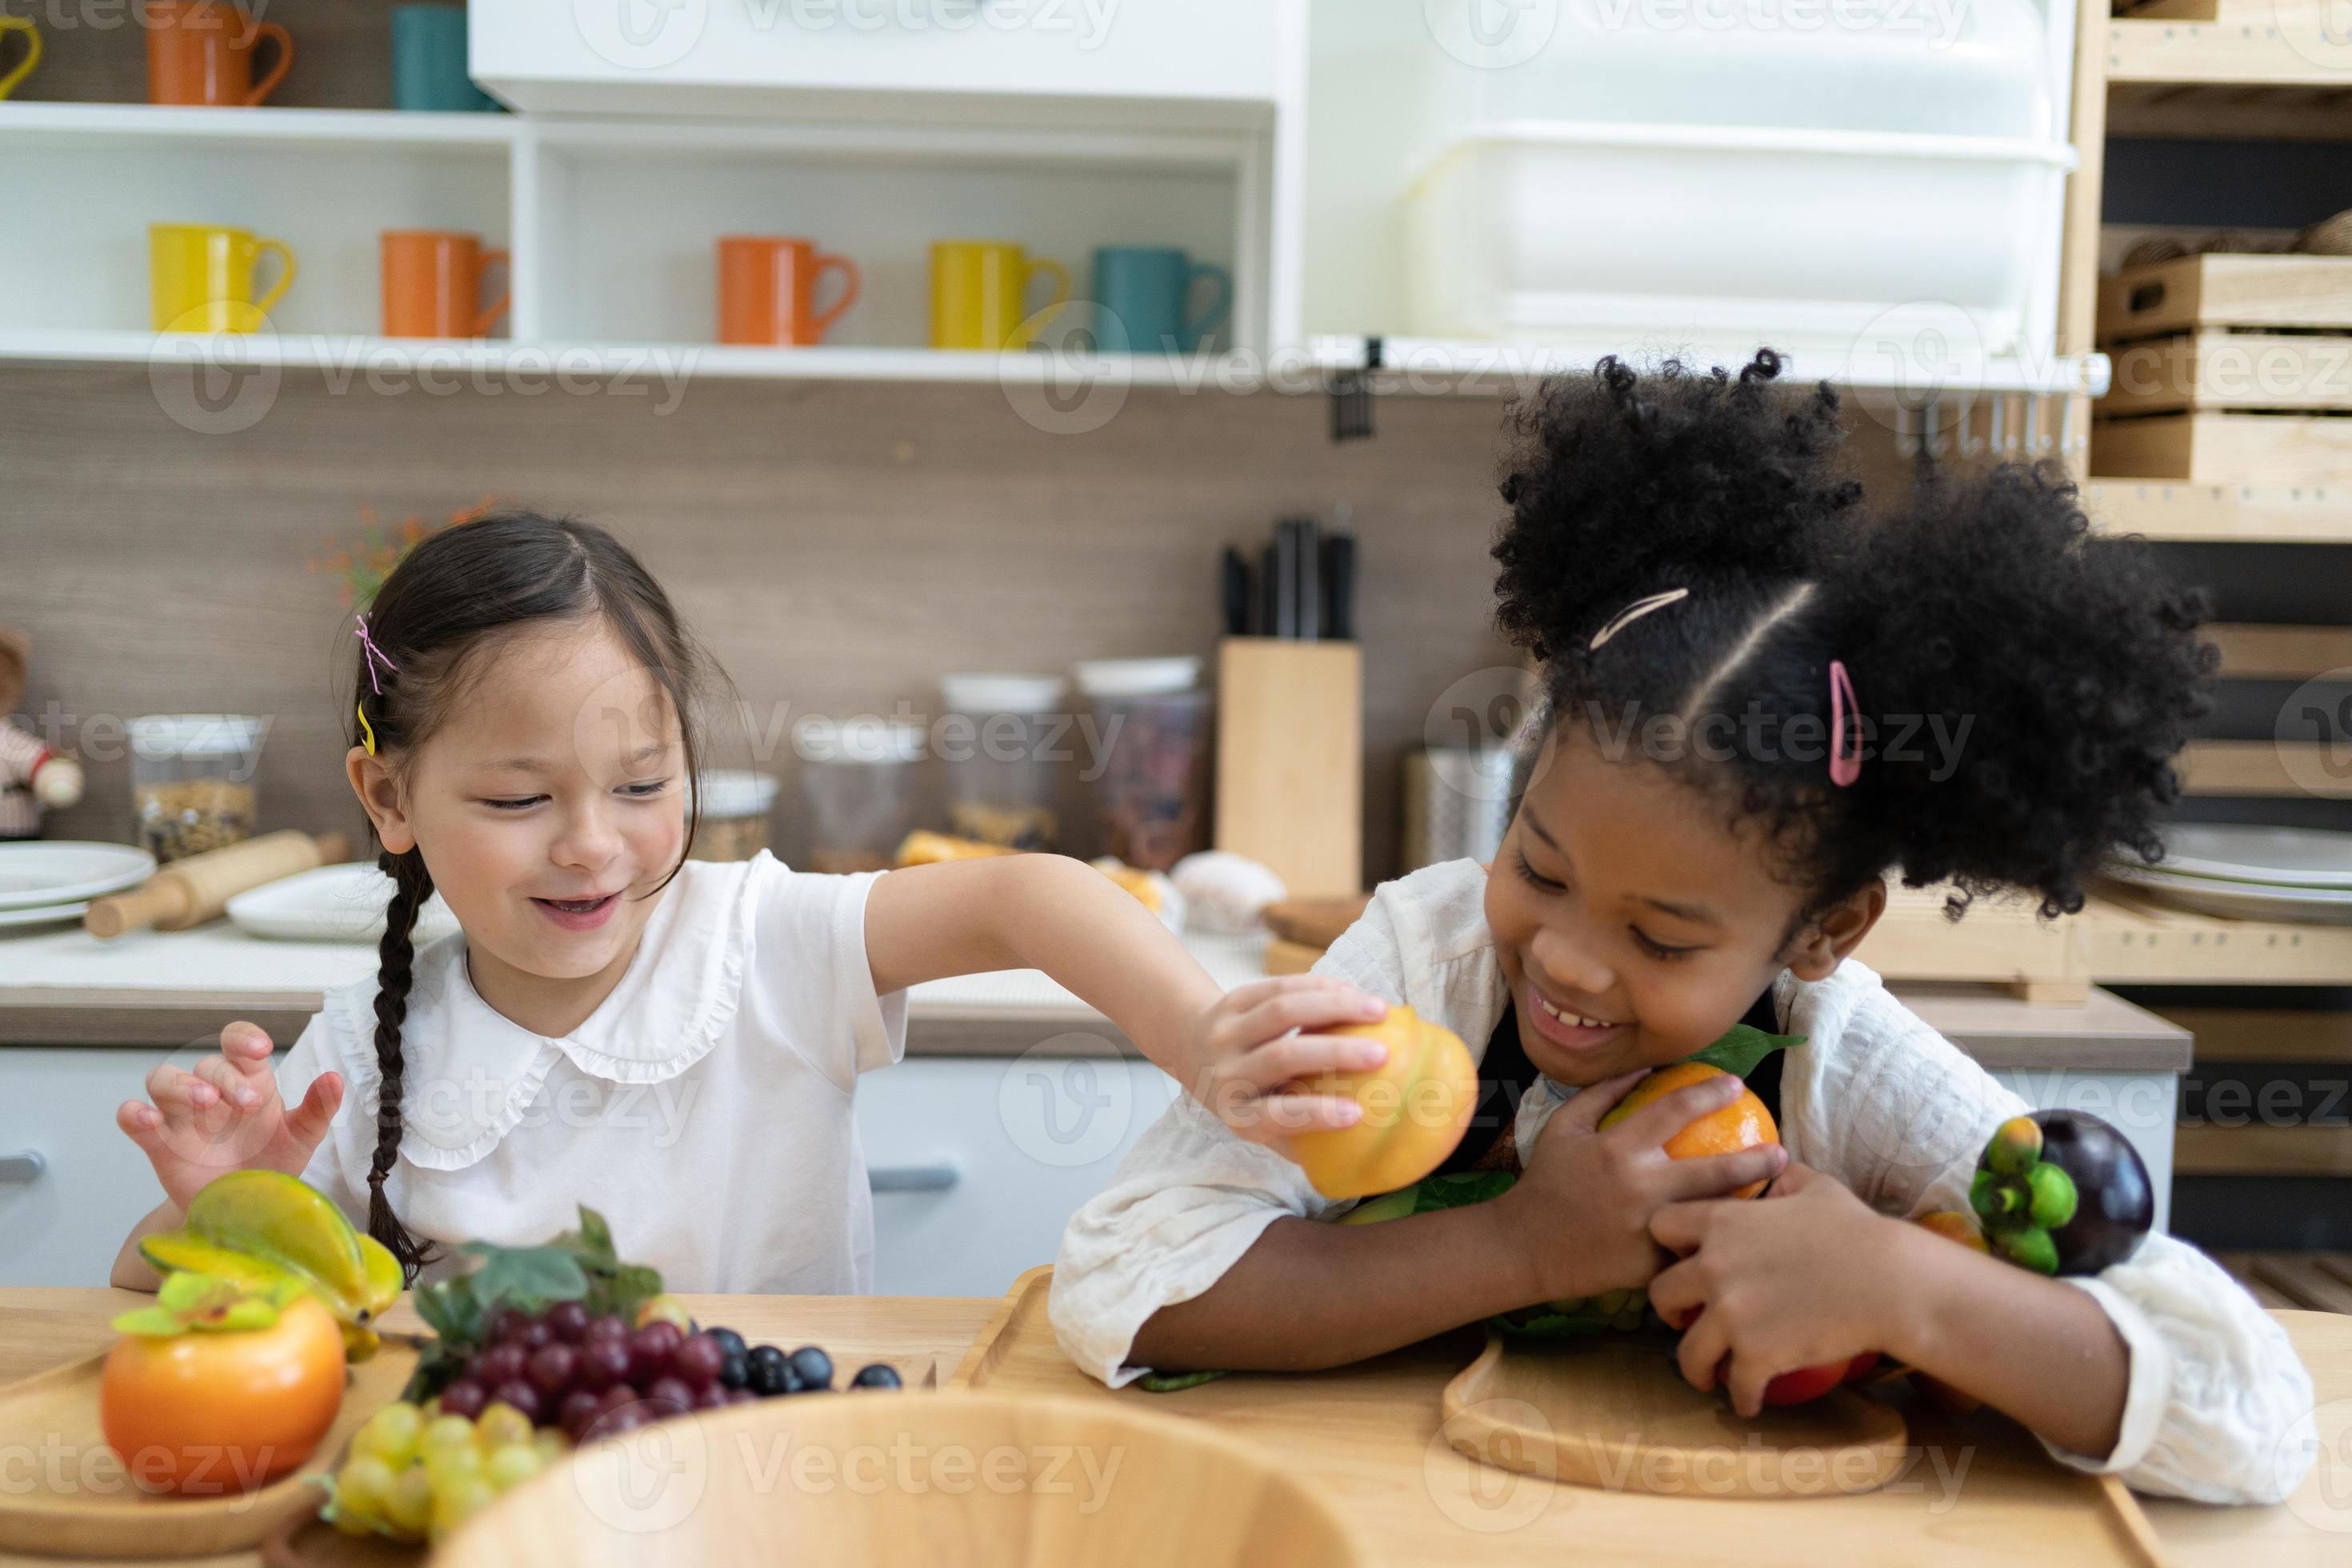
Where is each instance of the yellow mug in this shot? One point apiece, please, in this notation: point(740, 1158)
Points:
point(203, 276)
point(32, 51)
point(980, 291)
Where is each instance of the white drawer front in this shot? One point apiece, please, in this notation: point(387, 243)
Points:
point(1183, 50)
point(980, 1161)
point(65, 1225)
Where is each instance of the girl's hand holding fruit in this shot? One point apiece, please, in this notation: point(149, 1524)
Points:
point(1807, 1277)
point(1256, 1042)
point(1583, 1210)
point(227, 1115)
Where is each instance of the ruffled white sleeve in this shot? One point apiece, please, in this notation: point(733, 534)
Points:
point(1882, 1101)
point(1189, 1200)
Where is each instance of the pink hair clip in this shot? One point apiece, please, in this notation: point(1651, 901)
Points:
point(1844, 767)
point(371, 655)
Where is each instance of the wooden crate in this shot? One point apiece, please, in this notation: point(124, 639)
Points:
point(2231, 370)
point(2232, 514)
point(2242, 292)
point(2222, 447)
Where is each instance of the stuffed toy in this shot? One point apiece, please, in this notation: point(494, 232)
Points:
point(33, 778)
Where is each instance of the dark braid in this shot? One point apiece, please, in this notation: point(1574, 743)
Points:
point(451, 597)
point(412, 884)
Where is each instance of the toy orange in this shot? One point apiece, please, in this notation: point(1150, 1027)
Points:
point(1417, 1105)
point(217, 1388)
point(1742, 1124)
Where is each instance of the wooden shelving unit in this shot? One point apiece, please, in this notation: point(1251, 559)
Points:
point(2231, 366)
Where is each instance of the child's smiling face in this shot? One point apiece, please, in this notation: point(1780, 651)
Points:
point(549, 803)
point(1623, 897)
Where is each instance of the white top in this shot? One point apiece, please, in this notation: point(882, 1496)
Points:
point(1874, 1097)
point(704, 1109)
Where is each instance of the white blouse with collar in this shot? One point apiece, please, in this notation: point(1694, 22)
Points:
point(704, 1108)
point(1874, 1097)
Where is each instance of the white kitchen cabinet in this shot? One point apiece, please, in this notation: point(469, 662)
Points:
point(1099, 62)
point(64, 1225)
point(978, 1161)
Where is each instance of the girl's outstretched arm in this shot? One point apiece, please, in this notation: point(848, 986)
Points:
point(1233, 1051)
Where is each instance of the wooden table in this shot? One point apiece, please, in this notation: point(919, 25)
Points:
point(40, 1328)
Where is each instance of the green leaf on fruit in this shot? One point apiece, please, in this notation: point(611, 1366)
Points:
point(525, 1277)
point(188, 1302)
point(1743, 1047)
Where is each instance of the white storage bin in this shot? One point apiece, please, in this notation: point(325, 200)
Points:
point(1643, 185)
point(935, 61)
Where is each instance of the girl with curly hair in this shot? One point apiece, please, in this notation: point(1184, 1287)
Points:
point(1762, 699)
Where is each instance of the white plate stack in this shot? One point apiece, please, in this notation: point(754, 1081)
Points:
point(51, 882)
point(2301, 874)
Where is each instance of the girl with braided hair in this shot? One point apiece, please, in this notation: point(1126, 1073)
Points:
point(674, 1043)
point(1762, 699)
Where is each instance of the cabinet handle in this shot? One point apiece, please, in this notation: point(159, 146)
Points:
point(22, 1168)
point(936, 1178)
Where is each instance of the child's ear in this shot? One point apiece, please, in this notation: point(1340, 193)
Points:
point(379, 798)
point(1824, 944)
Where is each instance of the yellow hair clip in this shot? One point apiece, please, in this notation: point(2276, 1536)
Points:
point(365, 728)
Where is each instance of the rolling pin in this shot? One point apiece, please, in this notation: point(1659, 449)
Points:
point(191, 891)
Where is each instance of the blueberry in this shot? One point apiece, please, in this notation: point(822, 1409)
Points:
point(730, 1341)
point(769, 1378)
point(816, 1367)
point(758, 1353)
point(878, 1375)
point(735, 1371)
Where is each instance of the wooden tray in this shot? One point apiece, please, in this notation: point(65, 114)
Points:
point(1612, 1411)
point(99, 1513)
point(1978, 1492)
point(2226, 290)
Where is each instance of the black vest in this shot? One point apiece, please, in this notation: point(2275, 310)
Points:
point(1505, 1075)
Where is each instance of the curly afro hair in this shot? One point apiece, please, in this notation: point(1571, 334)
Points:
point(2022, 686)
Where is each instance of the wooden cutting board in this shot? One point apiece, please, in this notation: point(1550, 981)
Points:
point(1612, 1411)
point(82, 1502)
point(1974, 1492)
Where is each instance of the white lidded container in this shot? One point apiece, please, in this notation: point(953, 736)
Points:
point(1671, 174)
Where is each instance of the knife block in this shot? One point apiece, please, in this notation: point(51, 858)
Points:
point(1290, 760)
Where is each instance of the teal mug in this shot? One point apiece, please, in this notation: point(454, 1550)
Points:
point(1143, 298)
point(428, 62)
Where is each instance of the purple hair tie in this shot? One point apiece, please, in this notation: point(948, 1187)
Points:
point(371, 655)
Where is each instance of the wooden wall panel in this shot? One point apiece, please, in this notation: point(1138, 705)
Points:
point(837, 546)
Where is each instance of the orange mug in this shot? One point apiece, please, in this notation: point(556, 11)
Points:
point(767, 290)
point(201, 52)
point(432, 285)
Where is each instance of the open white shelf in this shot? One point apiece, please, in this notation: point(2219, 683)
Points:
point(611, 221)
point(611, 225)
point(360, 356)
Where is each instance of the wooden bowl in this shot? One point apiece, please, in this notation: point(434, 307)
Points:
point(898, 1481)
